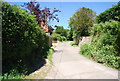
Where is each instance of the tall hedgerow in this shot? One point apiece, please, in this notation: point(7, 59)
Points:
point(105, 46)
point(23, 41)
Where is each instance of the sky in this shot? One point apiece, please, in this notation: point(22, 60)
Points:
point(69, 8)
point(64, 0)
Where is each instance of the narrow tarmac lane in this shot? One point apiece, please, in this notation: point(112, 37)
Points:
point(69, 64)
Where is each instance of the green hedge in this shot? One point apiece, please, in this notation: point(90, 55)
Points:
point(58, 37)
point(110, 14)
point(24, 43)
point(105, 46)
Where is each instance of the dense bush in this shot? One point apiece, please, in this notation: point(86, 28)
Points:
point(110, 14)
point(105, 46)
point(58, 37)
point(24, 43)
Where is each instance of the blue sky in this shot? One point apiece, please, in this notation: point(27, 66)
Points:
point(64, 0)
point(69, 8)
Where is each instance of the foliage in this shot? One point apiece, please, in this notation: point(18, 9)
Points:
point(50, 53)
point(81, 21)
point(58, 37)
point(41, 15)
point(69, 35)
point(73, 44)
point(24, 43)
point(85, 50)
point(62, 34)
point(105, 46)
point(60, 30)
point(14, 74)
point(110, 14)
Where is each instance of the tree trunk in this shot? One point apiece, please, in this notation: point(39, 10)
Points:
point(76, 40)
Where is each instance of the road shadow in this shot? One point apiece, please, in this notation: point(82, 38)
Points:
point(23, 68)
point(36, 66)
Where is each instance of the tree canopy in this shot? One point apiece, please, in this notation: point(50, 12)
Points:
point(41, 14)
point(110, 14)
point(81, 21)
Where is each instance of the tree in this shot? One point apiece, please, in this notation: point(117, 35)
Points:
point(60, 30)
point(41, 15)
point(81, 21)
point(69, 35)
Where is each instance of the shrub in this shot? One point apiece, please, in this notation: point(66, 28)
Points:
point(58, 37)
point(23, 41)
point(85, 50)
point(105, 46)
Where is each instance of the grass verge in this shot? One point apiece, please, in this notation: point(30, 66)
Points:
point(50, 53)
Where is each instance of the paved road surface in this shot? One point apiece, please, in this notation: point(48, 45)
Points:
point(69, 64)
